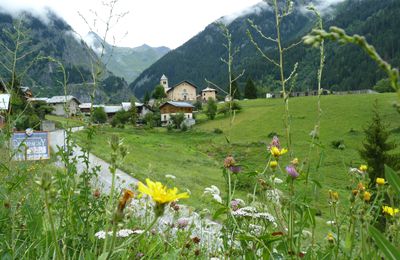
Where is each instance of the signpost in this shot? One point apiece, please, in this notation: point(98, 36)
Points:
point(30, 145)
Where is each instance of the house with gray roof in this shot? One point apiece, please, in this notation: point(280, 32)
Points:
point(64, 105)
point(172, 108)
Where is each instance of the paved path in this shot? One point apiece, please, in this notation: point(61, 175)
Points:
point(122, 180)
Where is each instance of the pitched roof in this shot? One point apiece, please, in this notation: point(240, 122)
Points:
point(209, 89)
point(177, 104)
point(4, 101)
point(38, 99)
point(112, 109)
point(184, 81)
point(163, 77)
point(61, 99)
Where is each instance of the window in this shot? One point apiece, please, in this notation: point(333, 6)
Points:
point(165, 117)
point(164, 82)
point(189, 116)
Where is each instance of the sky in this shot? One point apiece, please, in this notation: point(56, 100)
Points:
point(153, 22)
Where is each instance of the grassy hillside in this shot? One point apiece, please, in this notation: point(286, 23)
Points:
point(196, 157)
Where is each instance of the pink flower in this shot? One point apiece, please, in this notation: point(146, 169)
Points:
point(291, 170)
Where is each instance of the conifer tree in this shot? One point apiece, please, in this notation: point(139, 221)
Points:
point(235, 91)
point(376, 150)
point(250, 90)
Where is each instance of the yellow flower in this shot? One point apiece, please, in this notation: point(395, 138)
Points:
point(367, 196)
point(160, 193)
point(380, 181)
point(295, 161)
point(363, 168)
point(330, 237)
point(276, 152)
point(273, 164)
point(333, 195)
point(389, 210)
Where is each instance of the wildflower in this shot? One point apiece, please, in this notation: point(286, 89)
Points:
point(229, 161)
point(160, 193)
point(291, 170)
point(333, 196)
point(354, 192)
point(170, 176)
point(278, 181)
point(273, 164)
point(96, 193)
point(124, 199)
point(367, 196)
point(389, 210)
point(196, 240)
point(274, 143)
point(330, 237)
point(330, 222)
point(295, 161)
point(214, 192)
point(124, 233)
point(235, 169)
point(276, 152)
point(380, 181)
point(100, 235)
point(363, 168)
point(183, 222)
point(236, 203)
point(360, 187)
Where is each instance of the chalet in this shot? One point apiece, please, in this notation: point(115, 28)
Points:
point(85, 108)
point(183, 91)
point(208, 93)
point(172, 108)
point(141, 109)
point(63, 103)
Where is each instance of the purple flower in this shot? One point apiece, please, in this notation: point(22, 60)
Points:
point(235, 205)
point(235, 169)
point(291, 170)
point(274, 143)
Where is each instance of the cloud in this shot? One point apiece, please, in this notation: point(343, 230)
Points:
point(38, 9)
point(255, 9)
point(325, 6)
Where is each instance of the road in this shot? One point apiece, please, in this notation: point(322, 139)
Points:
point(122, 180)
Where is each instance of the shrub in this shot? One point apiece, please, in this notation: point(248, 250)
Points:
point(211, 109)
point(177, 120)
point(99, 116)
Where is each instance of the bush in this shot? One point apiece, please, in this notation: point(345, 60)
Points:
point(184, 127)
point(235, 106)
point(99, 116)
point(211, 109)
point(177, 120)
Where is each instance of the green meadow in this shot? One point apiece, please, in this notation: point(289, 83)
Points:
point(196, 157)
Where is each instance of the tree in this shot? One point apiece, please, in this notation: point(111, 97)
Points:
point(235, 91)
point(250, 90)
point(177, 120)
point(99, 115)
point(383, 85)
point(146, 98)
point(159, 92)
point(211, 110)
point(376, 147)
point(198, 105)
point(133, 112)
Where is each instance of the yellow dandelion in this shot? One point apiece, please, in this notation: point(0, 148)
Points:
point(380, 181)
point(160, 193)
point(363, 168)
point(389, 210)
point(330, 237)
point(367, 196)
point(276, 152)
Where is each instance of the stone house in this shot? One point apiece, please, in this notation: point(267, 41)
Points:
point(172, 108)
point(208, 93)
point(183, 91)
point(59, 103)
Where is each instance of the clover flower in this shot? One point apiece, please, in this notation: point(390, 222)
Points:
point(291, 170)
point(229, 161)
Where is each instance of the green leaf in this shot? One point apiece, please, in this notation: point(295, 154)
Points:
point(392, 178)
point(219, 212)
point(390, 251)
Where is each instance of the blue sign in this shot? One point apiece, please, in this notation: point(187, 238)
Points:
point(30, 147)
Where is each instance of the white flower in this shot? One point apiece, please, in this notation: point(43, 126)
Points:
point(170, 176)
point(124, 233)
point(217, 198)
point(330, 222)
point(278, 181)
point(306, 233)
point(100, 235)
